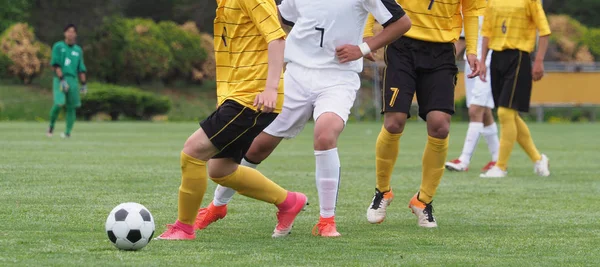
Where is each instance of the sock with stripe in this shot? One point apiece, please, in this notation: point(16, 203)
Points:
point(327, 176)
point(508, 135)
point(434, 159)
point(193, 186)
point(386, 154)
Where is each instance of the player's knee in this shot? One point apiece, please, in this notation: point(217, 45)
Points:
point(439, 130)
point(197, 148)
point(394, 125)
point(325, 141)
point(476, 113)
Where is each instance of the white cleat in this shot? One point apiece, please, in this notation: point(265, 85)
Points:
point(457, 166)
point(542, 166)
point(377, 210)
point(494, 172)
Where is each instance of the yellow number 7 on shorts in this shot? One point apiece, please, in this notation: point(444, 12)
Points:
point(394, 96)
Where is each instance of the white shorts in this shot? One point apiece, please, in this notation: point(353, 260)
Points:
point(313, 92)
point(479, 93)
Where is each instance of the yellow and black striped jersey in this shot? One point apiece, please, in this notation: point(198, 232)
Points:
point(441, 21)
point(513, 24)
point(243, 30)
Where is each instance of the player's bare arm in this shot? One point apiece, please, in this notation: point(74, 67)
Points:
point(348, 53)
point(538, 64)
point(267, 100)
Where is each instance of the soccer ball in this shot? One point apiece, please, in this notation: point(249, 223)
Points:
point(130, 226)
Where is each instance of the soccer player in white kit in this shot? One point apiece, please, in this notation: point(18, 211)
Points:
point(323, 51)
point(481, 121)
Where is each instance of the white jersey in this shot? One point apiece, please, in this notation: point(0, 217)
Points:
point(479, 40)
point(319, 26)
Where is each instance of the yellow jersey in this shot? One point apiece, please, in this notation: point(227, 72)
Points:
point(243, 30)
point(513, 24)
point(441, 21)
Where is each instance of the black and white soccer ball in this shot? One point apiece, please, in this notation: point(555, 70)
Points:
point(130, 226)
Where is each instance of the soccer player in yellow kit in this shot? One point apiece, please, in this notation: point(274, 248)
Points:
point(249, 56)
point(422, 62)
point(510, 29)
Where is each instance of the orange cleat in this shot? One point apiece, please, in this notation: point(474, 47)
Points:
point(209, 215)
point(285, 219)
point(174, 232)
point(326, 228)
point(423, 211)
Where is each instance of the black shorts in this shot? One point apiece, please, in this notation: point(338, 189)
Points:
point(511, 79)
point(233, 127)
point(425, 68)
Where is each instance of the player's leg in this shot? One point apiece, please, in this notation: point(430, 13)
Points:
point(332, 108)
point(296, 111)
point(73, 102)
point(262, 146)
point(435, 95)
point(59, 101)
point(490, 134)
point(398, 91)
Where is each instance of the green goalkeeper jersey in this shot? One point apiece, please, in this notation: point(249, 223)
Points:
point(69, 58)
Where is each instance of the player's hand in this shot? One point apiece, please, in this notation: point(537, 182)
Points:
point(267, 100)
point(370, 57)
point(474, 65)
point(538, 70)
point(64, 85)
point(348, 53)
point(83, 89)
point(482, 71)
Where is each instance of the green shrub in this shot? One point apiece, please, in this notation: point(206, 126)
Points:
point(141, 51)
point(27, 57)
point(592, 39)
point(118, 100)
point(5, 63)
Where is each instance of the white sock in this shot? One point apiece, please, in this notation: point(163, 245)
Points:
point(475, 129)
point(224, 194)
point(328, 178)
point(490, 133)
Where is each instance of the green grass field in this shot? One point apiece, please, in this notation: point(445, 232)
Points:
point(55, 195)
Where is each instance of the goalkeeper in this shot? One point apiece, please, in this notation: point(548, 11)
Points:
point(69, 71)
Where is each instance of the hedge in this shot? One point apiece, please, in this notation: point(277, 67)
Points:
point(118, 100)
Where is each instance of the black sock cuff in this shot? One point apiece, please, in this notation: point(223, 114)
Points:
point(250, 161)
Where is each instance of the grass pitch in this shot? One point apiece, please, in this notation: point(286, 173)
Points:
point(55, 195)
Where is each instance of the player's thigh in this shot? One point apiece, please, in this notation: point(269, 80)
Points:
point(399, 79)
point(336, 95)
point(435, 91)
point(296, 111)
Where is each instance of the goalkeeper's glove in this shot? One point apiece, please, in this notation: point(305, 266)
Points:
point(83, 89)
point(64, 85)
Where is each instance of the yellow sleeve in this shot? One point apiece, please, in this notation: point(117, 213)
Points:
point(486, 28)
point(369, 27)
point(539, 17)
point(474, 8)
point(265, 17)
point(471, 25)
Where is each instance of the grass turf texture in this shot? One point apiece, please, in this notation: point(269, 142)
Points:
point(56, 194)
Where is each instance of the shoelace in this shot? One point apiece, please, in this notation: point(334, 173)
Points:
point(377, 200)
point(428, 211)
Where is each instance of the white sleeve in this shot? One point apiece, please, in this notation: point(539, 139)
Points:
point(384, 11)
point(288, 12)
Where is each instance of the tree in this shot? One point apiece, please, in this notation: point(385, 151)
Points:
point(13, 11)
point(585, 11)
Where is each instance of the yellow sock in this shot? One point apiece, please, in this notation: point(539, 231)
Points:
point(386, 153)
point(508, 135)
point(251, 183)
point(524, 139)
point(434, 159)
point(193, 186)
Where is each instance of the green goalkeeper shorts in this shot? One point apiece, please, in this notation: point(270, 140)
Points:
point(70, 98)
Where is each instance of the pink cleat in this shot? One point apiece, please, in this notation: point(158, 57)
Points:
point(175, 232)
point(285, 219)
point(209, 215)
